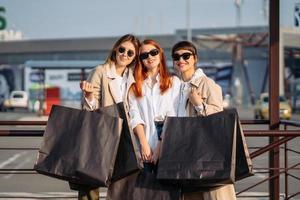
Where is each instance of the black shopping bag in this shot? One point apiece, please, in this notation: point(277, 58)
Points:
point(244, 166)
point(80, 146)
point(142, 186)
point(202, 151)
point(126, 160)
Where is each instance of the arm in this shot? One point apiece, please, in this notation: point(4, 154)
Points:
point(214, 101)
point(212, 97)
point(146, 152)
point(92, 89)
point(137, 124)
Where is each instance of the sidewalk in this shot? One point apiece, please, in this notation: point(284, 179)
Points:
point(73, 195)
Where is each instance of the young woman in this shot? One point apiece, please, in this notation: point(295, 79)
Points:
point(109, 84)
point(199, 96)
point(151, 100)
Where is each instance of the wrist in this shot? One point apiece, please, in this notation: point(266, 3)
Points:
point(89, 96)
point(199, 108)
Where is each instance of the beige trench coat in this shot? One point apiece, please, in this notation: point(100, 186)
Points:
point(212, 95)
point(105, 93)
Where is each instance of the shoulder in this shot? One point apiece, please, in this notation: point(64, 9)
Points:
point(101, 69)
point(209, 84)
point(175, 80)
point(175, 84)
point(97, 73)
point(203, 80)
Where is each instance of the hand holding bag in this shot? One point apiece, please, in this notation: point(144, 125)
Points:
point(202, 151)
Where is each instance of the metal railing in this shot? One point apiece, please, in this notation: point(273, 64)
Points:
point(285, 135)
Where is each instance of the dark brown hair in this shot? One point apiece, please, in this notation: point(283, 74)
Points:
point(184, 45)
point(125, 38)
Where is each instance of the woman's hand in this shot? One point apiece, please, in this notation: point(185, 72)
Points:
point(87, 89)
point(156, 153)
point(146, 152)
point(195, 98)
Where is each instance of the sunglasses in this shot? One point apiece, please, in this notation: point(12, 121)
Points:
point(185, 56)
point(122, 50)
point(145, 55)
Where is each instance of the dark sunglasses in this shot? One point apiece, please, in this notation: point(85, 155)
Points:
point(145, 55)
point(130, 53)
point(185, 56)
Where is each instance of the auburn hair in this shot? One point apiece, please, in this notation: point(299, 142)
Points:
point(140, 72)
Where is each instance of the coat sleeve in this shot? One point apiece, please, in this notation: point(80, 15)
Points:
point(135, 117)
point(212, 94)
point(95, 77)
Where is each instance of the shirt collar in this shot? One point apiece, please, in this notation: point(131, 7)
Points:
point(112, 72)
point(195, 78)
point(149, 81)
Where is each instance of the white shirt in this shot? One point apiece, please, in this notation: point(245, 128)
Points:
point(121, 82)
point(185, 89)
point(153, 106)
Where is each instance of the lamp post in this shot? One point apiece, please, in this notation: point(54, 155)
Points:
point(238, 4)
point(188, 20)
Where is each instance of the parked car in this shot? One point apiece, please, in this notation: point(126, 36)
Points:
point(261, 110)
point(227, 101)
point(17, 99)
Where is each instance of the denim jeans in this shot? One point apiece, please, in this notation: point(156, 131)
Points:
point(159, 127)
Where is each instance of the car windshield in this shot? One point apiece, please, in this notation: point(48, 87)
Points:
point(18, 96)
point(281, 99)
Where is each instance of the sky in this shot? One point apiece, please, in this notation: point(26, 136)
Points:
point(50, 19)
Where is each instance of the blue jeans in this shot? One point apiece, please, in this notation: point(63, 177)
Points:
point(150, 167)
point(159, 127)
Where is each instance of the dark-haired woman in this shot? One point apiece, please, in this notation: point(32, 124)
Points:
point(199, 96)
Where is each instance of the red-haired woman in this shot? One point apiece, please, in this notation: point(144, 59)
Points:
point(151, 100)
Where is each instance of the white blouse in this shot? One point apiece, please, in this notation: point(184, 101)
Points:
point(121, 82)
point(185, 89)
point(153, 106)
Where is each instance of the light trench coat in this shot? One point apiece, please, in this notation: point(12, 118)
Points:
point(106, 92)
point(212, 95)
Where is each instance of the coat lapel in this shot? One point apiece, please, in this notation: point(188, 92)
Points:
point(112, 84)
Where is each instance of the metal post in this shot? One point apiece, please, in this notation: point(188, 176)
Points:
point(286, 182)
point(274, 186)
point(42, 91)
point(188, 20)
point(82, 74)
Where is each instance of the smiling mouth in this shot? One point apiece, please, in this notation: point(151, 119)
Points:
point(150, 61)
point(181, 65)
point(123, 59)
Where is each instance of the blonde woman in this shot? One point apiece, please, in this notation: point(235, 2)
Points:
point(109, 84)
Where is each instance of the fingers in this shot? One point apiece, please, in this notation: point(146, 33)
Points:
point(147, 157)
point(192, 89)
point(86, 86)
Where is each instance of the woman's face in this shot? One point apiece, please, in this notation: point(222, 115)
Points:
point(125, 53)
point(184, 61)
point(149, 55)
